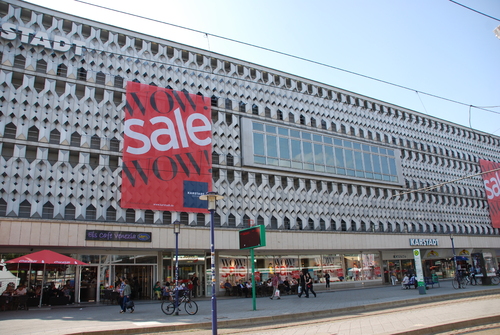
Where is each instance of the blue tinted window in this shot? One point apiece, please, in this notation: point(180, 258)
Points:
point(258, 144)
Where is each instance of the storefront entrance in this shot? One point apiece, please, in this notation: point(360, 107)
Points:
point(140, 279)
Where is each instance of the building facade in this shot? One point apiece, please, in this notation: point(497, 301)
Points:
point(325, 170)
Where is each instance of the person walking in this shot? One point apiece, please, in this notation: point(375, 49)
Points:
point(327, 280)
point(302, 284)
point(309, 284)
point(127, 291)
point(275, 282)
point(196, 282)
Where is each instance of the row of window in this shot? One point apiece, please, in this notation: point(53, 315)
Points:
point(279, 146)
point(298, 224)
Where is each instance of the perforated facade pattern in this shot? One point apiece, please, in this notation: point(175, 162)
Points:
point(61, 137)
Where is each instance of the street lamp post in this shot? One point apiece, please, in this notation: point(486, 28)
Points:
point(177, 230)
point(454, 255)
point(212, 198)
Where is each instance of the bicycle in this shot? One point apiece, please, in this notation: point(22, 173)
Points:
point(190, 306)
point(459, 281)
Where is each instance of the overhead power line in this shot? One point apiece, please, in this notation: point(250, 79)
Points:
point(428, 188)
point(287, 55)
point(491, 17)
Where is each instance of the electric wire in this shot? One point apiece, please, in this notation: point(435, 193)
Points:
point(287, 55)
point(491, 17)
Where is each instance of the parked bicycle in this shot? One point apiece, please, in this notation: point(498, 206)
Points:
point(190, 306)
point(459, 281)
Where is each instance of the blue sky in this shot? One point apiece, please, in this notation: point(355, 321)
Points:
point(432, 46)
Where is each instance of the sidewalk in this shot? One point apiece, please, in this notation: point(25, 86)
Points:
point(237, 312)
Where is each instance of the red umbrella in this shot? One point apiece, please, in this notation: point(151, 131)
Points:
point(45, 257)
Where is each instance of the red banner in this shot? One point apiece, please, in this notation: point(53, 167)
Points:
point(492, 186)
point(167, 150)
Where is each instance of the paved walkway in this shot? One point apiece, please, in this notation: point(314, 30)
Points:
point(237, 312)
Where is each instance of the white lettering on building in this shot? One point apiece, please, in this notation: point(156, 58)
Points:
point(424, 241)
point(10, 31)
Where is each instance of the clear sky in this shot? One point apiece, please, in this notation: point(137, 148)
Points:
point(431, 46)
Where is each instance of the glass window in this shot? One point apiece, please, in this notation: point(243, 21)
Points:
point(319, 158)
point(392, 166)
point(327, 140)
point(296, 150)
point(349, 159)
point(258, 144)
point(383, 151)
point(284, 148)
point(358, 157)
point(294, 133)
point(371, 267)
point(339, 157)
point(272, 148)
point(332, 264)
point(317, 138)
point(353, 267)
point(330, 156)
point(308, 152)
point(271, 129)
point(356, 145)
point(306, 136)
point(347, 144)
point(337, 142)
point(376, 163)
point(282, 131)
point(368, 162)
point(258, 126)
point(365, 147)
point(374, 149)
point(385, 164)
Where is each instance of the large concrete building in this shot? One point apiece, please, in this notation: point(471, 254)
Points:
point(320, 167)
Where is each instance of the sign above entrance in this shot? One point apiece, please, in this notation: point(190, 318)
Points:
point(107, 235)
point(424, 241)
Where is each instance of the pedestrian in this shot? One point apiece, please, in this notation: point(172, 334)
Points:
point(196, 282)
point(327, 280)
point(302, 284)
point(275, 282)
point(309, 284)
point(394, 279)
point(157, 290)
point(127, 291)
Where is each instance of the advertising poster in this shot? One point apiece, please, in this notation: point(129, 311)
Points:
point(492, 187)
point(167, 150)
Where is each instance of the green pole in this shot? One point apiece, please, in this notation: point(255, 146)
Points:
point(254, 300)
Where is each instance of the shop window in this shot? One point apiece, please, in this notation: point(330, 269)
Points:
point(19, 61)
point(62, 70)
point(149, 217)
point(110, 214)
point(286, 223)
point(41, 66)
point(90, 213)
point(69, 212)
point(130, 215)
point(231, 220)
point(48, 210)
point(274, 223)
point(3, 207)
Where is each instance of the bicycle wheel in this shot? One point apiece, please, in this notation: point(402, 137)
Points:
point(463, 283)
point(191, 307)
point(456, 283)
point(495, 280)
point(168, 307)
point(473, 281)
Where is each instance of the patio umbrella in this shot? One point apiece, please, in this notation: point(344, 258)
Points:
point(45, 257)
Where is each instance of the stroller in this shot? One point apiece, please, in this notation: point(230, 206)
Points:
point(130, 305)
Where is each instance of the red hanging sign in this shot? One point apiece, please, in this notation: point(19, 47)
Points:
point(492, 186)
point(167, 150)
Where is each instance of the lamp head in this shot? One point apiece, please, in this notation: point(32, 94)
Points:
point(211, 197)
point(177, 226)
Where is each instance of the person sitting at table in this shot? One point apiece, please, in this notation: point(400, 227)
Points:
point(66, 291)
point(241, 288)
point(9, 291)
point(228, 287)
point(157, 290)
point(53, 291)
point(247, 289)
point(21, 290)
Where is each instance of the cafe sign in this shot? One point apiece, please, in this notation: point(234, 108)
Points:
point(107, 235)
